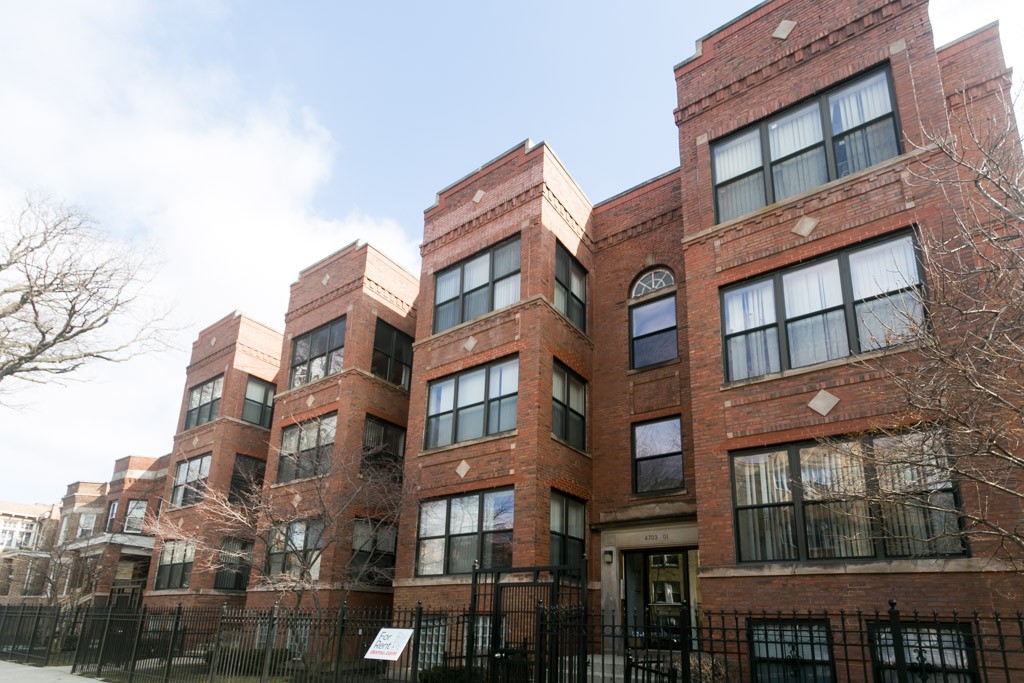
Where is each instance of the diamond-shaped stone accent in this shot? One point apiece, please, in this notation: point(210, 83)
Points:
point(805, 226)
point(327, 278)
point(462, 470)
point(309, 402)
point(823, 402)
point(478, 196)
point(785, 28)
point(195, 441)
point(470, 344)
point(213, 341)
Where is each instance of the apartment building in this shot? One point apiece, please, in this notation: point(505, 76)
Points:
point(26, 532)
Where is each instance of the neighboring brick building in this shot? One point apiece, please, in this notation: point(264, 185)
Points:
point(26, 533)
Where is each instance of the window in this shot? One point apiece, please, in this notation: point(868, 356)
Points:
point(373, 552)
point(258, 407)
point(134, 516)
point(317, 354)
point(383, 442)
point(190, 480)
point(458, 531)
point(111, 515)
point(296, 549)
point(246, 479)
point(306, 449)
point(570, 288)
point(567, 524)
point(175, 567)
point(478, 285)
point(932, 651)
point(568, 406)
point(854, 301)
point(472, 404)
point(833, 135)
point(814, 502)
point(203, 402)
point(86, 524)
point(652, 324)
point(783, 649)
point(658, 455)
point(235, 560)
point(392, 355)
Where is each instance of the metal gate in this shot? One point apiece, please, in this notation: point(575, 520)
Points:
point(528, 624)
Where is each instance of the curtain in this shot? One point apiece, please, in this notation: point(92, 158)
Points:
point(860, 102)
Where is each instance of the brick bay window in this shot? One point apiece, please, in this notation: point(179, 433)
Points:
point(882, 497)
point(658, 455)
point(392, 355)
point(475, 403)
point(455, 532)
point(476, 286)
point(175, 565)
point(204, 402)
point(258, 407)
point(569, 406)
point(567, 529)
point(317, 353)
point(652, 322)
point(834, 134)
point(570, 288)
point(306, 448)
point(852, 301)
point(296, 549)
point(190, 480)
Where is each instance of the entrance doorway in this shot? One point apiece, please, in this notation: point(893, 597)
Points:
point(655, 584)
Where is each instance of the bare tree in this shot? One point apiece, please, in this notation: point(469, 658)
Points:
point(68, 294)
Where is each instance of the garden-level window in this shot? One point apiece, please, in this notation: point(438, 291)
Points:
point(317, 353)
point(175, 566)
point(258, 407)
point(570, 288)
point(567, 529)
point(457, 531)
point(569, 406)
point(834, 134)
point(478, 285)
point(306, 448)
point(472, 404)
point(877, 497)
point(658, 455)
point(852, 301)
point(933, 651)
point(190, 480)
point(791, 650)
point(392, 355)
point(203, 402)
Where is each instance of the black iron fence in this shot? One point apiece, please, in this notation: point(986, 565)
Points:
point(542, 644)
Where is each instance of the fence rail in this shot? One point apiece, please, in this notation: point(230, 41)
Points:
point(543, 645)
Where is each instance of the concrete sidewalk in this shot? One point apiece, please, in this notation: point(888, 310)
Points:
point(22, 673)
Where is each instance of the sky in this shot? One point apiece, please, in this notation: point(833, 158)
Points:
point(237, 142)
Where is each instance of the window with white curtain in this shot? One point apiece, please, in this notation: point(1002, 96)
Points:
point(833, 135)
point(852, 301)
point(478, 285)
point(814, 501)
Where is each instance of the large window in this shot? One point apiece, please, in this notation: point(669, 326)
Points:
point(833, 135)
point(817, 502)
point(567, 529)
point(296, 549)
point(204, 402)
point(472, 404)
point(233, 566)
point(134, 516)
point(175, 567)
point(568, 406)
point(478, 285)
point(306, 448)
point(392, 355)
point(570, 288)
point(932, 651)
point(317, 354)
point(793, 650)
point(458, 531)
point(853, 301)
point(246, 479)
point(86, 524)
point(373, 552)
point(652, 324)
point(258, 407)
point(383, 442)
point(190, 480)
point(658, 455)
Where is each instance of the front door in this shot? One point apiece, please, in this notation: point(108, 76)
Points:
point(656, 583)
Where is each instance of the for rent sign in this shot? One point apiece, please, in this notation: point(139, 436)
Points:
point(389, 644)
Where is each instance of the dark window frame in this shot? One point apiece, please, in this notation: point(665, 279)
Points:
point(849, 306)
point(190, 484)
point(492, 406)
point(374, 565)
point(235, 565)
point(477, 537)
point(561, 540)
point(284, 557)
point(670, 330)
point(331, 337)
point(665, 455)
point(567, 302)
point(392, 354)
point(313, 461)
point(460, 299)
point(919, 665)
point(383, 441)
point(264, 408)
point(174, 566)
point(828, 142)
point(786, 659)
point(563, 415)
point(247, 476)
point(201, 409)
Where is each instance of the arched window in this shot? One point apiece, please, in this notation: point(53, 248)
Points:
point(652, 280)
point(652, 324)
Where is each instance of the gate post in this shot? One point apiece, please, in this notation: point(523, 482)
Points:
point(538, 639)
point(135, 644)
point(897, 643)
point(471, 622)
point(339, 649)
point(417, 627)
point(686, 642)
